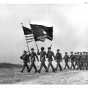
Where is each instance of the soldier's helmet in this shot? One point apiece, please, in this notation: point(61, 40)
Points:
point(71, 52)
point(58, 49)
point(49, 47)
point(78, 52)
point(75, 53)
point(32, 48)
point(66, 53)
point(25, 51)
point(42, 48)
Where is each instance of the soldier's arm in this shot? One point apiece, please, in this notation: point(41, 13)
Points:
point(53, 55)
point(47, 55)
point(38, 53)
point(37, 57)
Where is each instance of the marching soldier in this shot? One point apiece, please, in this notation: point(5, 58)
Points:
point(66, 58)
point(25, 58)
point(86, 60)
point(33, 56)
point(77, 59)
point(58, 59)
point(50, 56)
point(80, 61)
point(72, 57)
point(42, 59)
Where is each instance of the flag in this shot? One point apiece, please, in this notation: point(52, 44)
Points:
point(28, 34)
point(49, 31)
point(42, 32)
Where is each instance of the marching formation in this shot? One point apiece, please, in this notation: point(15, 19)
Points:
point(77, 60)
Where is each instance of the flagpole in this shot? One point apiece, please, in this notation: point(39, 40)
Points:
point(28, 46)
point(26, 41)
point(36, 46)
point(34, 40)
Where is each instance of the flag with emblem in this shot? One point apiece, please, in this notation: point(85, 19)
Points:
point(42, 32)
point(28, 34)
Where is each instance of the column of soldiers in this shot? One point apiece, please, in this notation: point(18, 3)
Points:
point(77, 60)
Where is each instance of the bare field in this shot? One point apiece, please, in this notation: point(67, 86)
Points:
point(14, 76)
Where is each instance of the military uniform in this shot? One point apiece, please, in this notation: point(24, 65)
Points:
point(80, 61)
point(58, 59)
point(25, 58)
point(33, 56)
point(50, 56)
point(42, 59)
point(72, 57)
point(66, 58)
point(86, 60)
point(77, 59)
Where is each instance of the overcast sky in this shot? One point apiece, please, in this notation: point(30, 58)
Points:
point(70, 24)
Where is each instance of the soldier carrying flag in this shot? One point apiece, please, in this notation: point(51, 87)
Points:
point(42, 59)
point(37, 33)
point(33, 56)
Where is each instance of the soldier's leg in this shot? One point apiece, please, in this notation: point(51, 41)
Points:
point(65, 65)
point(73, 65)
point(45, 67)
point(77, 64)
point(60, 66)
point(68, 65)
point(87, 65)
point(40, 67)
point(48, 65)
point(80, 65)
point(27, 67)
point(23, 67)
point(57, 66)
point(52, 66)
point(35, 67)
point(30, 67)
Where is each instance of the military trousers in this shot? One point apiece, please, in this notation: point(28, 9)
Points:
point(77, 63)
point(43, 65)
point(58, 65)
point(66, 65)
point(25, 65)
point(50, 65)
point(72, 65)
point(33, 66)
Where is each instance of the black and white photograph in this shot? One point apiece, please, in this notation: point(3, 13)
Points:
point(44, 44)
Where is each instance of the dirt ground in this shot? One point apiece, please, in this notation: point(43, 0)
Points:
point(13, 76)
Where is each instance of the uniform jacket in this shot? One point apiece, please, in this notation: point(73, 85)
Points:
point(33, 56)
point(50, 55)
point(66, 58)
point(42, 55)
point(58, 57)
